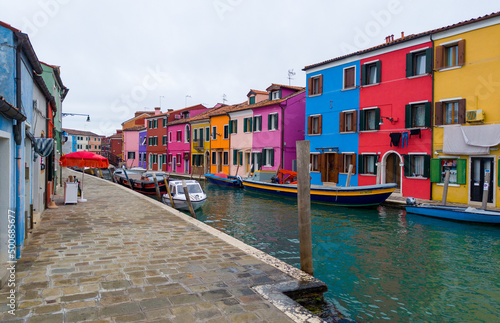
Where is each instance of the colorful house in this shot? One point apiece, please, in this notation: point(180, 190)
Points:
point(131, 144)
point(466, 110)
point(156, 127)
point(143, 141)
point(220, 140)
point(273, 144)
point(179, 139)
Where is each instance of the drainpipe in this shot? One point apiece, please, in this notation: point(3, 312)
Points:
point(432, 111)
point(18, 139)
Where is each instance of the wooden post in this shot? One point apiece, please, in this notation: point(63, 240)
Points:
point(157, 188)
point(169, 194)
point(486, 190)
point(188, 199)
point(100, 173)
point(348, 182)
point(378, 173)
point(304, 206)
point(128, 180)
point(111, 175)
point(445, 188)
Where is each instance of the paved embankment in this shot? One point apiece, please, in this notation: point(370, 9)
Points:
point(124, 257)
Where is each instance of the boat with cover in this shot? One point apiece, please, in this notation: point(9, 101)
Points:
point(222, 179)
point(196, 195)
point(142, 182)
point(455, 213)
point(285, 184)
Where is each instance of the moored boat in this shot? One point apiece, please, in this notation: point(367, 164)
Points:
point(455, 213)
point(222, 179)
point(142, 182)
point(196, 195)
point(355, 196)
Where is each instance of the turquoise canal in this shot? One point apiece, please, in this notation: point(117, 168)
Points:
point(380, 263)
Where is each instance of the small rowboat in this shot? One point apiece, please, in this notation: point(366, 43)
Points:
point(455, 213)
point(222, 179)
point(196, 195)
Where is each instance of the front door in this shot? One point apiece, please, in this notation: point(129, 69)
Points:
point(219, 162)
point(174, 164)
point(333, 169)
point(479, 167)
point(392, 170)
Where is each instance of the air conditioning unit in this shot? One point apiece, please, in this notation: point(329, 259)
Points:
point(474, 116)
point(177, 116)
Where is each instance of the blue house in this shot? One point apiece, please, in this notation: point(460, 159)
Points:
point(332, 106)
point(18, 64)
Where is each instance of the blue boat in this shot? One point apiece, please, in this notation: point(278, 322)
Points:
point(355, 196)
point(222, 179)
point(455, 213)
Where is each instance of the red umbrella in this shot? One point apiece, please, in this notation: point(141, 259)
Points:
point(84, 159)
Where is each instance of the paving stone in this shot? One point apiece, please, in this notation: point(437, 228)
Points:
point(120, 309)
point(50, 318)
point(243, 318)
point(215, 294)
point(154, 303)
point(48, 309)
point(78, 297)
point(83, 314)
point(130, 318)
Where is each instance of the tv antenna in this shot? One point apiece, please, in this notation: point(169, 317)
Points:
point(290, 74)
point(224, 98)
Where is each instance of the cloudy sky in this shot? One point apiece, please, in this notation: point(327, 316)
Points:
point(117, 57)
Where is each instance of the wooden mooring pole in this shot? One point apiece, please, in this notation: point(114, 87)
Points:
point(188, 199)
point(486, 189)
point(157, 188)
point(169, 194)
point(111, 175)
point(304, 206)
point(445, 188)
point(348, 181)
point(128, 180)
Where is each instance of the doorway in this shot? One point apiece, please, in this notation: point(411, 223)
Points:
point(332, 170)
point(219, 162)
point(174, 164)
point(479, 167)
point(393, 170)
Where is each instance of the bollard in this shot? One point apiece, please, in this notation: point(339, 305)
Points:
point(486, 190)
point(188, 199)
point(304, 206)
point(445, 188)
point(348, 182)
point(157, 188)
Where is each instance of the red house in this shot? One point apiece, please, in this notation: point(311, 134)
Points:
point(395, 134)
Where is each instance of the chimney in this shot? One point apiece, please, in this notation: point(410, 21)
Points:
point(387, 39)
point(157, 110)
point(392, 37)
point(402, 35)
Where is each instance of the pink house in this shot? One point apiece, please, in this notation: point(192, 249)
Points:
point(179, 141)
point(131, 145)
point(277, 124)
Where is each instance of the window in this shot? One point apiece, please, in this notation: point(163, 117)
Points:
point(371, 73)
point(169, 159)
point(314, 125)
point(417, 165)
point(457, 168)
point(272, 121)
point(315, 85)
point(275, 95)
point(369, 119)
point(418, 115)
point(170, 136)
point(226, 158)
point(187, 133)
point(164, 122)
point(251, 100)
point(197, 160)
point(155, 158)
point(233, 126)
point(214, 133)
point(247, 124)
point(195, 134)
point(226, 131)
point(419, 63)
point(237, 157)
point(214, 158)
point(257, 123)
point(348, 121)
point(179, 136)
point(349, 77)
point(314, 162)
point(179, 158)
point(268, 157)
point(346, 160)
point(368, 164)
point(207, 133)
point(450, 55)
point(449, 112)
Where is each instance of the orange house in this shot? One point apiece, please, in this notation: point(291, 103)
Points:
point(219, 140)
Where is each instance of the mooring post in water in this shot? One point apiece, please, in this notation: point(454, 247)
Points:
point(128, 180)
point(486, 189)
point(169, 194)
point(348, 182)
point(445, 188)
point(157, 188)
point(378, 173)
point(100, 173)
point(188, 199)
point(111, 175)
point(304, 206)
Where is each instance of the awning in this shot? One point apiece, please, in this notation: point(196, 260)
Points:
point(470, 140)
point(44, 146)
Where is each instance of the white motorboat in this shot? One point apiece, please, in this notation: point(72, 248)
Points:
point(196, 195)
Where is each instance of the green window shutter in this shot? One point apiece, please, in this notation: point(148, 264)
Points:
point(379, 71)
point(272, 157)
point(427, 166)
point(263, 156)
point(409, 64)
point(245, 125)
point(407, 167)
point(407, 116)
point(270, 96)
point(240, 153)
point(428, 114)
point(435, 170)
point(362, 120)
point(280, 94)
point(428, 60)
point(149, 124)
point(461, 171)
point(363, 74)
point(252, 100)
point(377, 119)
point(235, 126)
point(268, 122)
point(230, 126)
point(235, 156)
point(276, 122)
point(361, 168)
point(250, 127)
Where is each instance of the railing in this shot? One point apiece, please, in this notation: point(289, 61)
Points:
point(112, 158)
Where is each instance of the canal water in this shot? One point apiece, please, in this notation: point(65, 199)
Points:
point(379, 263)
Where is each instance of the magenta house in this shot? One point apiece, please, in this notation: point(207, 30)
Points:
point(131, 143)
point(278, 123)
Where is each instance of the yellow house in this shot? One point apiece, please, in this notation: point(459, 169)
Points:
point(466, 132)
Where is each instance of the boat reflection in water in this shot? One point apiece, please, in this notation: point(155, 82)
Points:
point(379, 263)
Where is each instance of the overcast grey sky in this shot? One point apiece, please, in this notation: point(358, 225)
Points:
point(117, 57)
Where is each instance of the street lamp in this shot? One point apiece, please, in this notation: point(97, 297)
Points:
point(64, 114)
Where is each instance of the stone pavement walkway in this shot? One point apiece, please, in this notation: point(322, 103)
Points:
point(123, 257)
